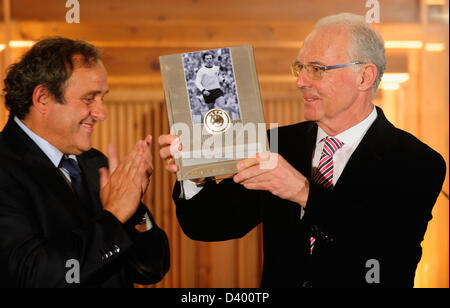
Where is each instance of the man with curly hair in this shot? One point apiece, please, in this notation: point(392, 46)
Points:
point(60, 202)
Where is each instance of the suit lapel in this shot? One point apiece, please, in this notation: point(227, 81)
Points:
point(42, 169)
point(53, 180)
point(92, 180)
point(369, 153)
point(309, 149)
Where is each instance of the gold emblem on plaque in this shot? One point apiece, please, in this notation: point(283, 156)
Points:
point(217, 121)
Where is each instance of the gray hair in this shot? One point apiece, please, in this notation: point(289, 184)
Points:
point(366, 44)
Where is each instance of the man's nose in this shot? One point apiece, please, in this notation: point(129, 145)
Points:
point(303, 79)
point(98, 111)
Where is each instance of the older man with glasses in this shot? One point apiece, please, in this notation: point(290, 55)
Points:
point(349, 198)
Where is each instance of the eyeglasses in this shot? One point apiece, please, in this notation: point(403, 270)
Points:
point(315, 71)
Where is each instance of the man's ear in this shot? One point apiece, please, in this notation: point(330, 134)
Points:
point(367, 76)
point(41, 98)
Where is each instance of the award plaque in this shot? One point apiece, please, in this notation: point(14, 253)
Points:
point(214, 106)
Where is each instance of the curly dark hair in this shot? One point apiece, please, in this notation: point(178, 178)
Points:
point(49, 63)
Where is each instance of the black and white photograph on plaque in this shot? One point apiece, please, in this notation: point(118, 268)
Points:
point(211, 83)
point(214, 107)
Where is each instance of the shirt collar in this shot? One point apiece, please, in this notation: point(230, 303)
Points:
point(49, 150)
point(353, 134)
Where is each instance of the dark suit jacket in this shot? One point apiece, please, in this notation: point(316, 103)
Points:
point(378, 210)
point(43, 225)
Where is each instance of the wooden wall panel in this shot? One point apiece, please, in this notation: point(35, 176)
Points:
point(432, 271)
point(231, 10)
point(177, 33)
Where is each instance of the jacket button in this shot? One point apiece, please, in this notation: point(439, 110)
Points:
point(326, 237)
point(307, 284)
point(116, 249)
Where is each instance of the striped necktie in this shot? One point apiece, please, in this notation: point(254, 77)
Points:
point(324, 173)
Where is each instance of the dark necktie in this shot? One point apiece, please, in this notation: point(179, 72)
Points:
point(76, 177)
